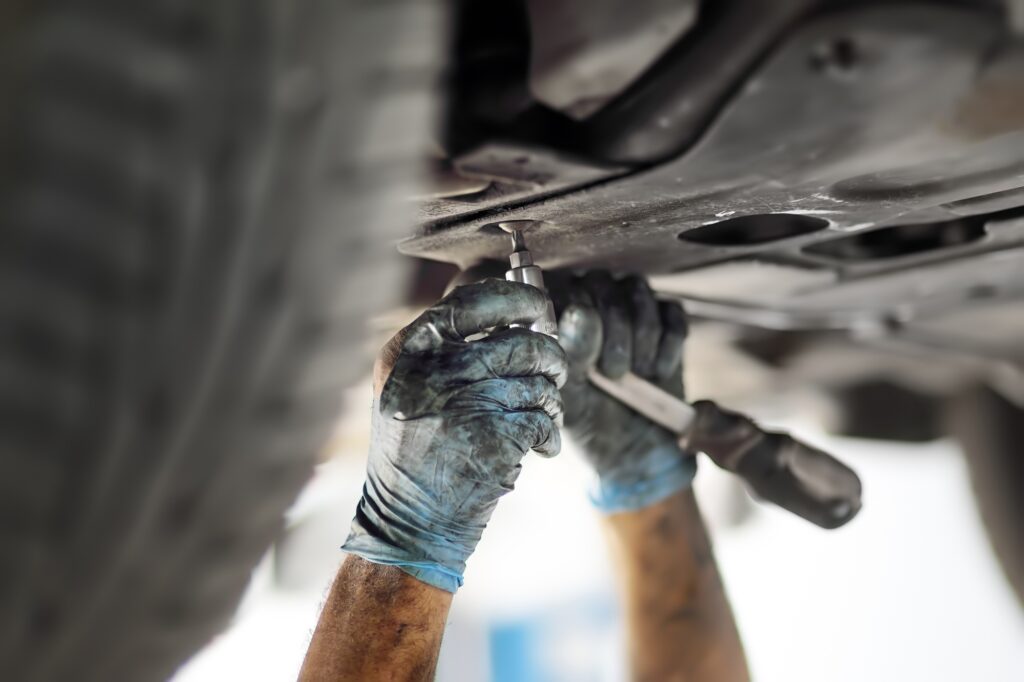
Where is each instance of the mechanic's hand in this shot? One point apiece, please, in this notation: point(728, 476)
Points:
point(451, 424)
point(620, 326)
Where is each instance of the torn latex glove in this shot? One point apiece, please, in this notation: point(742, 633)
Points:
point(451, 425)
point(620, 326)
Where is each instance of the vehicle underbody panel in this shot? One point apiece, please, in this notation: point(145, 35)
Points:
point(866, 174)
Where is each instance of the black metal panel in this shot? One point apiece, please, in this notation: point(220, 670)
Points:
point(869, 117)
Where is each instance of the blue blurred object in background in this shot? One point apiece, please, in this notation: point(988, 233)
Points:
point(564, 642)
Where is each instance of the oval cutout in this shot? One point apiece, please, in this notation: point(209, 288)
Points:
point(749, 230)
point(900, 240)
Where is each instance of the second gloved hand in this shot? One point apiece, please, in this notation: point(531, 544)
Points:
point(452, 423)
point(620, 327)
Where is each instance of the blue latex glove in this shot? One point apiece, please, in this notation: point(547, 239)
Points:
point(451, 425)
point(620, 326)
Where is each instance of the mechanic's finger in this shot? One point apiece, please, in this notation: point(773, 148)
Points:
point(579, 333)
point(421, 384)
point(475, 308)
point(646, 324)
point(539, 431)
point(673, 336)
point(617, 348)
point(512, 394)
point(570, 291)
point(519, 352)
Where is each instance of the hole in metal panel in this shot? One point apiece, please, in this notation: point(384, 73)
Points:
point(980, 292)
point(900, 240)
point(753, 229)
point(839, 57)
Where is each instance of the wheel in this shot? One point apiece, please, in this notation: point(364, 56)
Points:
point(991, 429)
point(191, 243)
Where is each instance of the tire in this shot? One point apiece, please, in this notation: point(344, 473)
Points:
point(991, 430)
point(191, 243)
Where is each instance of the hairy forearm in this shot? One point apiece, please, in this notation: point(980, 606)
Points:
point(679, 621)
point(378, 624)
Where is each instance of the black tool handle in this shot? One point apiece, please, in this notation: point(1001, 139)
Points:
point(778, 468)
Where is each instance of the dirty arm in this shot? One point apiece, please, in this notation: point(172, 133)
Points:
point(378, 623)
point(451, 421)
point(679, 623)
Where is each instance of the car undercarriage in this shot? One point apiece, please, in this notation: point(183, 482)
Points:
point(835, 188)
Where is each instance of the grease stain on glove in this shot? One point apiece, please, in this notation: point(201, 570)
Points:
point(451, 425)
point(620, 326)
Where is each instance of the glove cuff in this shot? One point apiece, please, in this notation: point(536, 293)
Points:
point(382, 537)
point(669, 470)
point(428, 572)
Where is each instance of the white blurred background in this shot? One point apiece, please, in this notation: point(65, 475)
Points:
point(908, 591)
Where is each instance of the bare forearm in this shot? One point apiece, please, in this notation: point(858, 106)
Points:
point(378, 624)
point(679, 620)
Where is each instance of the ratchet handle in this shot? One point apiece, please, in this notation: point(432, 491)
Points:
point(778, 468)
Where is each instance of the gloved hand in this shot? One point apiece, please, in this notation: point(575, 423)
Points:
point(620, 326)
point(451, 425)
